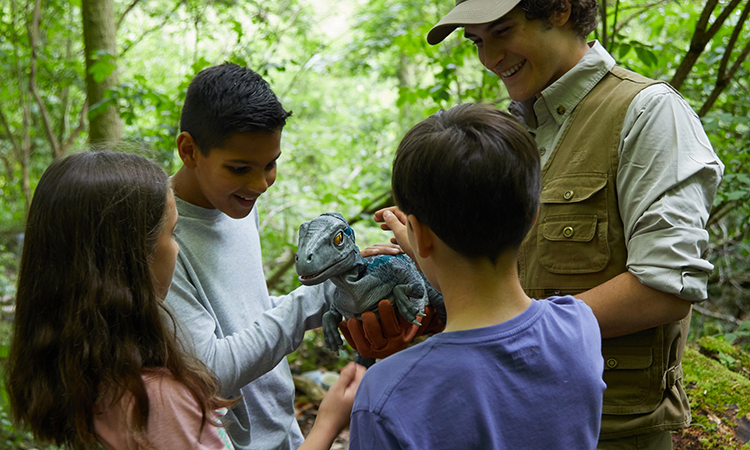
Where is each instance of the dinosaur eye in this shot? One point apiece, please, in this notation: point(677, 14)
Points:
point(339, 238)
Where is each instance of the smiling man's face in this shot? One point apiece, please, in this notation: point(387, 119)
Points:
point(527, 55)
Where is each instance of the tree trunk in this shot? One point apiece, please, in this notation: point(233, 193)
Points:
point(99, 34)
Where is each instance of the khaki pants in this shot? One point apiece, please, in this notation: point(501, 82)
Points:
point(654, 441)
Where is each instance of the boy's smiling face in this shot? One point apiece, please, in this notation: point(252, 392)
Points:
point(231, 177)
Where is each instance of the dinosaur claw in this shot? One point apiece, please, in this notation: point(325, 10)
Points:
point(421, 314)
point(416, 322)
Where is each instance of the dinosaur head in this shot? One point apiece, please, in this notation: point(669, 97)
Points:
point(325, 249)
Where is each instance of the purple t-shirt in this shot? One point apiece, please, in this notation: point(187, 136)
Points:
point(533, 382)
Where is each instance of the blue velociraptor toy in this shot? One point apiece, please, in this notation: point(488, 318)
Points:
point(326, 251)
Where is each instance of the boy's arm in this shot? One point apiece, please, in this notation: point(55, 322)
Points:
point(243, 356)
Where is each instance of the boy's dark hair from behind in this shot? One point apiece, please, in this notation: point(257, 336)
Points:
point(227, 99)
point(472, 174)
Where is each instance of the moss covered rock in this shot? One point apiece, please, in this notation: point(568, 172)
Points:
point(717, 383)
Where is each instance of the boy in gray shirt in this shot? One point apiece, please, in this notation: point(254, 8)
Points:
point(229, 142)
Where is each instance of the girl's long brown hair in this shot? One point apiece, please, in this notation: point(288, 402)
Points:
point(88, 323)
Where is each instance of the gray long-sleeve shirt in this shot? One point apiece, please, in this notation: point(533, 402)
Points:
point(224, 313)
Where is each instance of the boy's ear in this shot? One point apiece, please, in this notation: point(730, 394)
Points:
point(187, 149)
point(422, 236)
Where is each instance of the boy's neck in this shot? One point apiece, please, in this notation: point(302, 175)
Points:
point(186, 188)
point(478, 293)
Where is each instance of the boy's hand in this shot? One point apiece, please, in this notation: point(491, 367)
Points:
point(394, 219)
point(374, 338)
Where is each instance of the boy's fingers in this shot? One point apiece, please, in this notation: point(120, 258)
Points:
point(385, 248)
point(399, 230)
point(357, 373)
point(378, 216)
point(347, 374)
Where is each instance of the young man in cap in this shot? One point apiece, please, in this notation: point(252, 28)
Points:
point(628, 180)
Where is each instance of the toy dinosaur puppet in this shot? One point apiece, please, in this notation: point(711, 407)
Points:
point(326, 251)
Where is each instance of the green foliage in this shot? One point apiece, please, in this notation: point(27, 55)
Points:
point(312, 354)
point(8, 270)
point(731, 357)
point(741, 334)
point(357, 75)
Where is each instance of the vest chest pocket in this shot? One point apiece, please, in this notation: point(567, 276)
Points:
point(572, 237)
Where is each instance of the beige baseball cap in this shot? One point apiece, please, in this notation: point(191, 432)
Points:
point(469, 12)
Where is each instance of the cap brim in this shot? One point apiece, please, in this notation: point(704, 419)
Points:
point(470, 12)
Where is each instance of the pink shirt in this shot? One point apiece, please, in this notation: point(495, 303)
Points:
point(174, 420)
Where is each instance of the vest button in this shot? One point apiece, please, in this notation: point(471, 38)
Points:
point(568, 232)
point(561, 110)
point(568, 194)
point(542, 151)
point(611, 363)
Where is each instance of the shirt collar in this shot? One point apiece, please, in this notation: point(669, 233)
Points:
point(561, 98)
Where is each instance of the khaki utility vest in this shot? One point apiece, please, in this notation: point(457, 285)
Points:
point(578, 243)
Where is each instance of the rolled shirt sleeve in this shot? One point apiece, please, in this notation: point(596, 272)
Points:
point(667, 179)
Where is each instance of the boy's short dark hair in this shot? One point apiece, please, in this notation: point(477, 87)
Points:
point(583, 13)
point(472, 174)
point(227, 99)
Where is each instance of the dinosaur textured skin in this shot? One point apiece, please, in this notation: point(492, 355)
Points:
point(327, 251)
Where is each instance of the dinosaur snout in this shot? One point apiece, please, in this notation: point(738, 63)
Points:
point(305, 263)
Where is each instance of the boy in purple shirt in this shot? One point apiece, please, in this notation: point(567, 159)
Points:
point(508, 372)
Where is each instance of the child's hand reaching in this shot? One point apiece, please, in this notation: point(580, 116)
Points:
point(335, 409)
point(394, 219)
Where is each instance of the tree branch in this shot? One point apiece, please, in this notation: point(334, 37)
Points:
point(700, 39)
point(151, 30)
point(125, 13)
point(79, 129)
point(720, 212)
point(637, 13)
point(715, 315)
point(9, 132)
point(8, 166)
point(604, 23)
point(33, 36)
point(723, 76)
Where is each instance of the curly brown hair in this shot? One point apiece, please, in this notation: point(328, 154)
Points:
point(583, 13)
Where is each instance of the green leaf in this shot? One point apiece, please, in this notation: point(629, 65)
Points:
point(647, 56)
point(623, 50)
point(736, 195)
